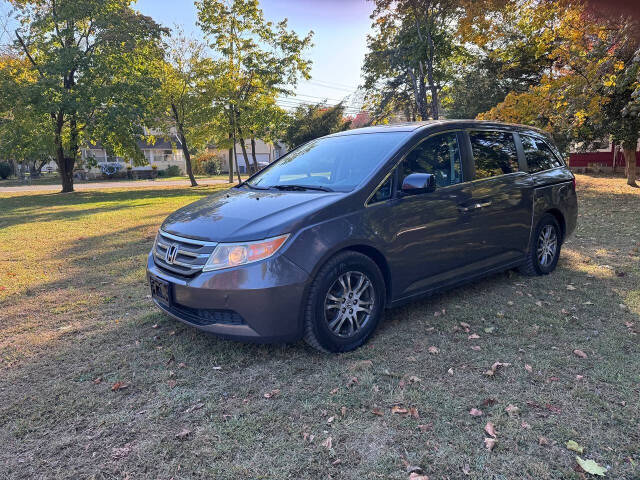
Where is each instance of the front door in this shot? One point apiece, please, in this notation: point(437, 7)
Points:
point(427, 235)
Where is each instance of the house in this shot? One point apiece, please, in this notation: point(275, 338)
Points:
point(600, 157)
point(265, 153)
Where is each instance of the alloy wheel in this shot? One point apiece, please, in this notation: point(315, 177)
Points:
point(349, 303)
point(547, 245)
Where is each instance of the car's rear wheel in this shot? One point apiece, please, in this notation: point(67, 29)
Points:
point(544, 250)
point(345, 303)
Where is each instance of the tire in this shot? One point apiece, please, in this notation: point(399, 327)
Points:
point(533, 265)
point(345, 328)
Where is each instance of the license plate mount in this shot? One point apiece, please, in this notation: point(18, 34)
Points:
point(160, 290)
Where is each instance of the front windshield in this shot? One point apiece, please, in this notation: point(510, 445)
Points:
point(332, 163)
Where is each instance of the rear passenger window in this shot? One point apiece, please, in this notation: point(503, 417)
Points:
point(438, 155)
point(538, 154)
point(494, 153)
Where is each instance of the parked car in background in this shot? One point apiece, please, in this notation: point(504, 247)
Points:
point(320, 242)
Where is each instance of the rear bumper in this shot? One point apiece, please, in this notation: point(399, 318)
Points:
point(260, 302)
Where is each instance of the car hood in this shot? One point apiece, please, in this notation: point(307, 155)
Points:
point(239, 214)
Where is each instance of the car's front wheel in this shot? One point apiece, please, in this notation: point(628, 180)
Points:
point(544, 250)
point(345, 303)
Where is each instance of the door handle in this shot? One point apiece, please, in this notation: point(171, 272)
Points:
point(474, 206)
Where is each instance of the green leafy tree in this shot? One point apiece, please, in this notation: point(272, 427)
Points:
point(187, 94)
point(259, 60)
point(92, 62)
point(308, 122)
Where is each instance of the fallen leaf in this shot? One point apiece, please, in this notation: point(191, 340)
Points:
point(476, 348)
point(195, 407)
point(579, 377)
point(337, 461)
point(182, 365)
point(488, 402)
point(377, 411)
point(361, 365)
point(450, 371)
point(425, 428)
point(434, 350)
point(343, 411)
point(525, 425)
point(399, 410)
point(543, 441)
point(328, 443)
point(334, 391)
point(183, 434)
point(570, 287)
point(413, 412)
point(495, 367)
point(474, 412)
point(489, 443)
point(119, 386)
point(474, 336)
point(575, 446)
point(489, 329)
point(172, 383)
point(272, 393)
point(465, 325)
point(591, 467)
point(352, 381)
point(579, 353)
point(97, 380)
point(417, 476)
point(414, 379)
point(512, 410)
point(528, 368)
point(490, 429)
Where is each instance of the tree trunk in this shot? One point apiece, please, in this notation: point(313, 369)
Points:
point(616, 150)
point(434, 90)
point(235, 153)
point(253, 155)
point(65, 164)
point(243, 146)
point(185, 147)
point(630, 160)
point(231, 160)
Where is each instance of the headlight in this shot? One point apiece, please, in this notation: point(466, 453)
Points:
point(228, 255)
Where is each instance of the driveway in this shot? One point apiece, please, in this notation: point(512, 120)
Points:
point(102, 185)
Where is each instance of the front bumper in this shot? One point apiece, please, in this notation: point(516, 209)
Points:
point(260, 302)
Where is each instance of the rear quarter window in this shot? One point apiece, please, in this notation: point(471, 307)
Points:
point(538, 154)
point(494, 153)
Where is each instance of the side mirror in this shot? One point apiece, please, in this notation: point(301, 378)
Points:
point(418, 183)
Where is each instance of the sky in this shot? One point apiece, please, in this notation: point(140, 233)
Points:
point(340, 29)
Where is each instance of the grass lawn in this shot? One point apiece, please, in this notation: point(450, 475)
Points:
point(76, 320)
point(54, 179)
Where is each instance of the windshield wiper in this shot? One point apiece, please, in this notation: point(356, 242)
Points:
point(302, 188)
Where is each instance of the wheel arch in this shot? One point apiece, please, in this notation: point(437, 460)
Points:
point(557, 214)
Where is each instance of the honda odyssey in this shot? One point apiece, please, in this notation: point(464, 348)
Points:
point(320, 242)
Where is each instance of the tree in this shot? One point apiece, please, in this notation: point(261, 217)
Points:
point(582, 96)
point(312, 121)
point(187, 94)
point(259, 60)
point(92, 61)
point(24, 132)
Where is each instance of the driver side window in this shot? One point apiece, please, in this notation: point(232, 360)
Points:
point(438, 155)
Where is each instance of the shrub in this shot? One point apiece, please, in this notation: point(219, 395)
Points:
point(5, 170)
point(208, 163)
point(172, 171)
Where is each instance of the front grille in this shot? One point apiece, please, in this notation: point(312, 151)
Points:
point(206, 316)
point(187, 256)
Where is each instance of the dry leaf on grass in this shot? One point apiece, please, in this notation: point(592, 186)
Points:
point(543, 441)
point(570, 287)
point(490, 429)
point(195, 407)
point(119, 386)
point(495, 367)
point(397, 409)
point(433, 350)
point(330, 419)
point(272, 393)
point(183, 434)
point(528, 368)
point(352, 381)
point(476, 348)
point(525, 425)
point(97, 380)
point(413, 412)
point(579, 353)
point(591, 467)
point(489, 443)
point(377, 411)
point(328, 443)
point(417, 476)
point(474, 336)
point(474, 412)
point(575, 446)
point(512, 410)
point(343, 411)
point(426, 427)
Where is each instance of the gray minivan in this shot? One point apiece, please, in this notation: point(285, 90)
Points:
point(320, 242)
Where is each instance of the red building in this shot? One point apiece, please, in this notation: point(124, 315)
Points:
point(599, 160)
